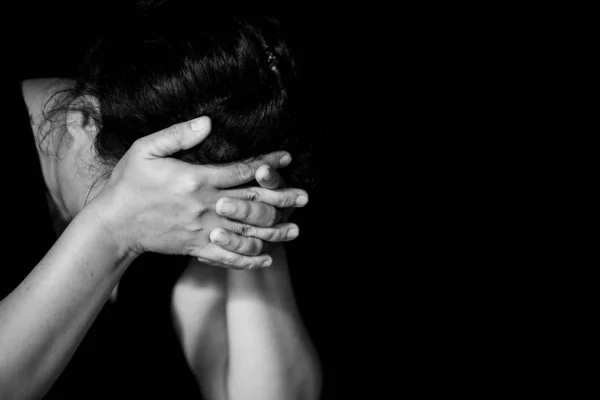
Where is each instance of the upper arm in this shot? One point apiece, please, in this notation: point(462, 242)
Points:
point(198, 312)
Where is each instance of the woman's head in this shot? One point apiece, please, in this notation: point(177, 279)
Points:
point(172, 64)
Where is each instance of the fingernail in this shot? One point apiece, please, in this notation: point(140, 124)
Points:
point(221, 238)
point(301, 200)
point(292, 233)
point(285, 159)
point(225, 207)
point(267, 262)
point(200, 124)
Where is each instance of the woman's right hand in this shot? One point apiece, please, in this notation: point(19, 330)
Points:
point(154, 203)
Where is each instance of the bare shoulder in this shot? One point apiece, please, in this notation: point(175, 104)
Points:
point(36, 92)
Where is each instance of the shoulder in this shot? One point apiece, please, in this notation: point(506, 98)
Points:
point(34, 89)
point(37, 92)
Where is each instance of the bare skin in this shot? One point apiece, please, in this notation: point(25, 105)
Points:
point(247, 318)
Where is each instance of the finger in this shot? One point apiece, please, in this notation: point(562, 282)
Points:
point(176, 137)
point(247, 246)
point(249, 212)
point(228, 259)
point(281, 198)
point(278, 233)
point(268, 177)
point(243, 172)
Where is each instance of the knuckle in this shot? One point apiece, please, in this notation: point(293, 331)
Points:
point(237, 244)
point(269, 234)
point(255, 263)
point(199, 208)
point(244, 171)
point(203, 178)
point(252, 195)
point(282, 201)
point(285, 199)
point(245, 230)
point(279, 235)
point(191, 250)
point(188, 182)
point(244, 210)
point(232, 259)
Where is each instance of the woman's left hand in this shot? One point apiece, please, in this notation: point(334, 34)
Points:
point(257, 215)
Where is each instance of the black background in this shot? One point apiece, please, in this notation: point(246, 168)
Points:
point(382, 270)
point(46, 39)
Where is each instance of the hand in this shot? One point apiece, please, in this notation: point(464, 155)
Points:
point(269, 178)
point(154, 203)
point(258, 210)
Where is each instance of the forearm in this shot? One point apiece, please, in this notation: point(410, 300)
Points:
point(45, 318)
point(270, 354)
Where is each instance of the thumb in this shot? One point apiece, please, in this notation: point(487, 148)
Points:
point(177, 137)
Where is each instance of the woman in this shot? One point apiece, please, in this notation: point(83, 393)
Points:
point(176, 326)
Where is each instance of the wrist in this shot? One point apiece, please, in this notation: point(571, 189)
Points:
point(104, 227)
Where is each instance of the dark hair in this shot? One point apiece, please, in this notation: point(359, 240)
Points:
point(173, 61)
